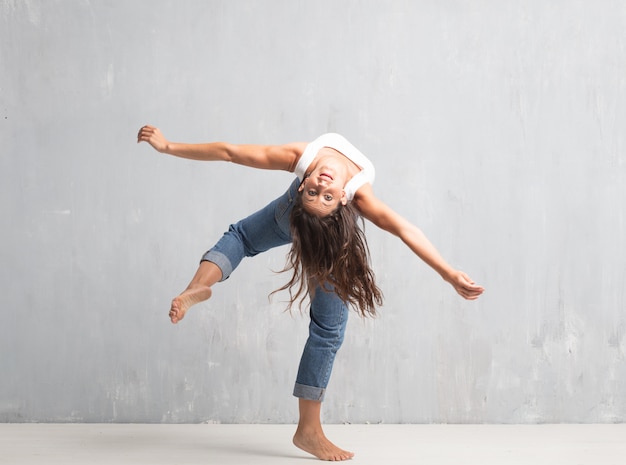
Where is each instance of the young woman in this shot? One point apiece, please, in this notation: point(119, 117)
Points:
point(329, 257)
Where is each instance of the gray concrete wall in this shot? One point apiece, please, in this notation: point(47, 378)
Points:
point(497, 127)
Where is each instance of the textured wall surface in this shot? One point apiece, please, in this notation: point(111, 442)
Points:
point(497, 127)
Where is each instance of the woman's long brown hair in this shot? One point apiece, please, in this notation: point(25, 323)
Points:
point(331, 250)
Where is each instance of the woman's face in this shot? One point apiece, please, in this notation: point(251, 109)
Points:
point(322, 191)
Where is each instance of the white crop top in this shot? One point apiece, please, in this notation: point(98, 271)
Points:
point(341, 145)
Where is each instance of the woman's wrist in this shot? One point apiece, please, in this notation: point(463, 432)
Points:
point(168, 148)
point(447, 274)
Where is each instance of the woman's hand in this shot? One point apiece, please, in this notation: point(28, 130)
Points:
point(464, 286)
point(153, 136)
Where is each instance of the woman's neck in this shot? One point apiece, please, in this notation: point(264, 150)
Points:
point(343, 166)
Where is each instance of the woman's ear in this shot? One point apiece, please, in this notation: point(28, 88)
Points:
point(344, 199)
point(301, 188)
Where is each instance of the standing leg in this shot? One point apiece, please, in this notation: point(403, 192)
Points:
point(311, 438)
point(329, 316)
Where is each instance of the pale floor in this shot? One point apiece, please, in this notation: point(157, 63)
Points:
point(119, 444)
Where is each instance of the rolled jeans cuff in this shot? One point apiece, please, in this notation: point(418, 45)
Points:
point(309, 392)
point(222, 262)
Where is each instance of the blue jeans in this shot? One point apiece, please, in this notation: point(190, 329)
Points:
point(261, 231)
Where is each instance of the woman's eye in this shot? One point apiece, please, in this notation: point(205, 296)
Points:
point(312, 193)
point(329, 198)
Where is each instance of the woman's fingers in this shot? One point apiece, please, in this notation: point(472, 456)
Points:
point(145, 133)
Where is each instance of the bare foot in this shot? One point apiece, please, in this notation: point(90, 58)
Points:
point(191, 296)
point(316, 443)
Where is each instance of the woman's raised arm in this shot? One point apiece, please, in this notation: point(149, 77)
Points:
point(379, 213)
point(270, 157)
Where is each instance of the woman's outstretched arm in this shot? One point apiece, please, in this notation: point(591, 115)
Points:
point(271, 157)
point(386, 218)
